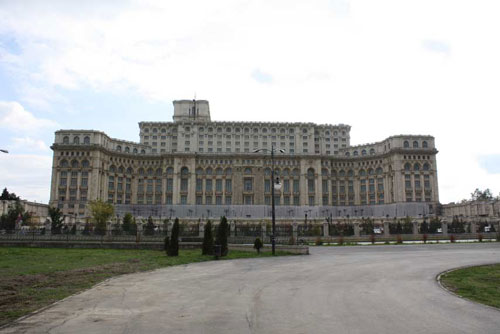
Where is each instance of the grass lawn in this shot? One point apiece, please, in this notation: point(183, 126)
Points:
point(31, 278)
point(480, 284)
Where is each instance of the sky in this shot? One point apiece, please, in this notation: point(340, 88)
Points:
point(383, 67)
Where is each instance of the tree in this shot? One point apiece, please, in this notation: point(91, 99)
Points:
point(481, 195)
point(127, 222)
point(258, 244)
point(14, 214)
point(222, 232)
point(173, 247)
point(150, 227)
point(208, 240)
point(101, 212)
point(56, 216)
point(6, 196)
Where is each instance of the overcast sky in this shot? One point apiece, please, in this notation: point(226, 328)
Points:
point(383, 67)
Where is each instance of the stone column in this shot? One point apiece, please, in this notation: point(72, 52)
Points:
point(295, 232)
point(415, 227)
point(387, 232)
point(263, 228)
point(444, 227)
point(326, 230)
point(201, 229)
point(232, 229)
point(356, 229)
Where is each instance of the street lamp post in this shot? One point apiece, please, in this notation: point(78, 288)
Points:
point(276, 185)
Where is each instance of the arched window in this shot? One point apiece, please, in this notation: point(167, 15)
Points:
point(324, 172)
point(424, 144)
point(65, 140)
point(158, 172)
point(334, 173)
point(199, 171)
point(379, 171)
point(370, 171)
point(415, 144)
point(407, 166)
point(218, 171)
point(355, 153)
point(143, 151)
point(86, 140)
point(350, 173)
point(372, 151)
point(286, 172)
point(112, 169)
point(248, 170)
point(127, 149)
point(209, 171)
point(416, 167)
point(76, 140)
point(228, 171)
point(342, 173)
point(347, 154)
point(406, 144)
point(134, 150)
point(74, 164)
point(120, 170)
point(119, 148)
point(427, 166)
point(310, 172)
point(141, 171)
point(63, 163)
point(267, 171)
point(362, 172)
point(150, 171)
point(130, 171)
point(296, 172)
point(363, 152)
point(155, 130)
point(85, 164)
point(184, 171)
point(170, 171)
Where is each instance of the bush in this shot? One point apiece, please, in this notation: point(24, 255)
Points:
point(424, 238)
point(127, 222)
point(166, 244)
point(208, 240)
point(222, 232)
point(340, 242)
point(149, 229)
point(399, 240)
point(291, 241)
point(372, 238)
point(452, 238)
point(318, 241)
point(498, 236)
point(258, 244)
point(480, 237)
point(173, 247)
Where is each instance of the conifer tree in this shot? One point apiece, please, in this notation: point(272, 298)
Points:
point(222, 233)
point(208, 240)
point(173, 247)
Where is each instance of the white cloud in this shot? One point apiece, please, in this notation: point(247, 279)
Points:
point(365, 63)
point(26, 175)
point(14, 117)
point(30, 144)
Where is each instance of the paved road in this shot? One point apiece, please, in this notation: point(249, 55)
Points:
point(381, 289)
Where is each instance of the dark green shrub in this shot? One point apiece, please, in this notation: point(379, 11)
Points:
point(127, 222)
point(258, 244)
point(150, 227)
point(222, 233)
point(208, 240)
point(73, 229)
point(173, 247)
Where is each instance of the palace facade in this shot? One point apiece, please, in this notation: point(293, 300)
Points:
point(194, 166)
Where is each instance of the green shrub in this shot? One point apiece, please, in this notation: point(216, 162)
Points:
point(340, 241)
point(173, 247)
point(222, 232)
point(258, 244)
point(208, 240)
point(318, 241)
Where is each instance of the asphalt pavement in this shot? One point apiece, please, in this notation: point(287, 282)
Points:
point(362, 289)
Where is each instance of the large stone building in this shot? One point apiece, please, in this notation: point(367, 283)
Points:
point(197, 167)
